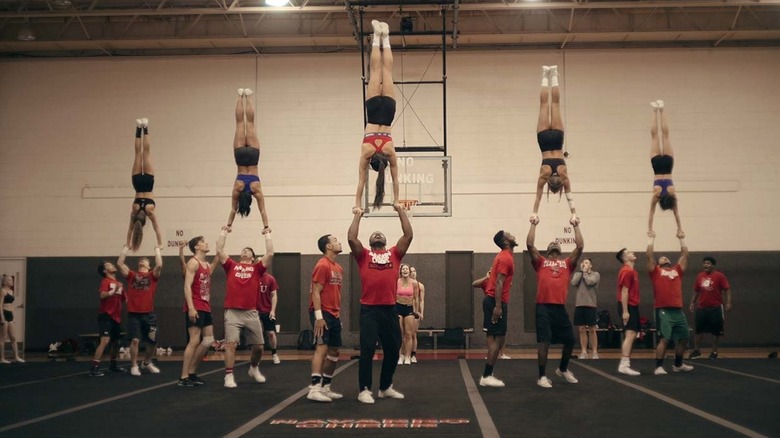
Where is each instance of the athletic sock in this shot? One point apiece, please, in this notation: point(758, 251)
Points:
point(326, 379)
point(137, 132)
point(677, 361)
point(414, 353)
point(385, 42)
point(316, 379)
point(228, 371)
point(255, 364)
point(488, 370)
point(95, 363)
point(659, 363)
point(273, 351)
point(554, 80)
point(376, 40)
point(541, 371)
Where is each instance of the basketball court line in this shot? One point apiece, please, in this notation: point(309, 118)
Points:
point(676, 403)
point(265, 416)
point(739, 373)
point(48, 379)
point(97, 403)
point(484, 419)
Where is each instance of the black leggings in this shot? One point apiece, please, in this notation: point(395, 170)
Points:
point(378, 323)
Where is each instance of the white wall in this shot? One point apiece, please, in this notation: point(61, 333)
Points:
point(66, 133)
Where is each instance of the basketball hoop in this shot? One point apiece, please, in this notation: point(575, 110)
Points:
point(408, 204)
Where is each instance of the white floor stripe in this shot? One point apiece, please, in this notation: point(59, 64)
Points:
point(739, 373)
point(265, 416)
point(483, 416)
point(15, 385)
point(95, 403)
point(684, 406)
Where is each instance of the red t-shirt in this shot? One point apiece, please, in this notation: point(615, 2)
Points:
point(242, 284)
point(329, 274)
point(628, 277)
point(112, 305)
point(378, 275)
point(201, 289)
point(267, 284)
point(553, 280)
point(710, 288)
point(667, 286)
point(503, 263)
point(141, 288)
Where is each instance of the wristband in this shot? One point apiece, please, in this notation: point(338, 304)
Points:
point(650, 241)
point(318, 315)
point(682, 242)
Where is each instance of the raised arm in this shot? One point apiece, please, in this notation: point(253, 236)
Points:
point(153, 217)
point(539, 190)
point(394, 175)
point(529, 243)
point(362, 178)
point(120, 262)
point(677, 218)
point(406, 227)
point(182, 260)
point(158, 262)
point(578, 240)
point(650, 251)
point(569, 196)
point(221, 254)
point(352, 234)
point(269, 251)
point(233, 209)
point(683, 261)
point(653, 203)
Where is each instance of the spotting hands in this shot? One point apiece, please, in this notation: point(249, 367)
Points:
point(534, 219)
point(357, 210)
point(680, 234)
point(574, 221)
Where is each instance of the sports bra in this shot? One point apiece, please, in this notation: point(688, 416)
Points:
point(404, 291)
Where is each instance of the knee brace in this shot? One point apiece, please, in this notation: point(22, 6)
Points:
point(333, 359)
point(207, 341)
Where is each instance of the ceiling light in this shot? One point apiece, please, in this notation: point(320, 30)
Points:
point(26, 33)
point(277, 3)
point(62, 3)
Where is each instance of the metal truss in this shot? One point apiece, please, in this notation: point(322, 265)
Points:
point(63, 28)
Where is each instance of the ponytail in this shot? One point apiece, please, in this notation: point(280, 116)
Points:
point(137, 236)
point(244, 203)
point(379, 162)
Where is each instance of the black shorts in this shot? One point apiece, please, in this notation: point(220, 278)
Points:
point(550, 140)
point(499, 328)
point(107, 327)
point(633, 317)
point(553, 325)
point(332, 336)
point(142, 326)
point(404, 310)
point(708, 320)
point(269, 325)
point(585, 316)
point(9, 315)
point(203, 320)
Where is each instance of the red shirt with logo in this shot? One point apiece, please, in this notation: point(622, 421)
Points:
point(378, 275)
point(503, 263)
point(628, 277)
point(329, 274)
point(667, 286)
point(112, 305)
point(710, 288)
point(141, 288)
point(267, 284)
point(553, 280)
point(201, 289)
point(242, 284)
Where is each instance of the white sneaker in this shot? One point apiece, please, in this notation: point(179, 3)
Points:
point(491, 381)
point(330, 394)
point(654, 104)
point(553, 70)
point(240, 91)
point(682, 367)
point(385, 29)
point(145, 122)
point(377, 26)
point(366, 397)
point(413, 359)
point(390, 393)
point(230, 381)
point(660, 104)
point(275, 357)
point(248, 92)
point(255, 373)
point(138, 123)
point(135, 371)
point(546, 70)
point(627, 370)
point(544, 382)
point(594, 355)
point(401, 360)
point(151, 367)
point(583, 355)
point(660, 371)
point(407, 361)
point(568, 375)
point(316, 394)
point(18, 359)
point(505, 356)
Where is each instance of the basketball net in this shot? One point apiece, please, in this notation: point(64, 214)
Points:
point(408, 205)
